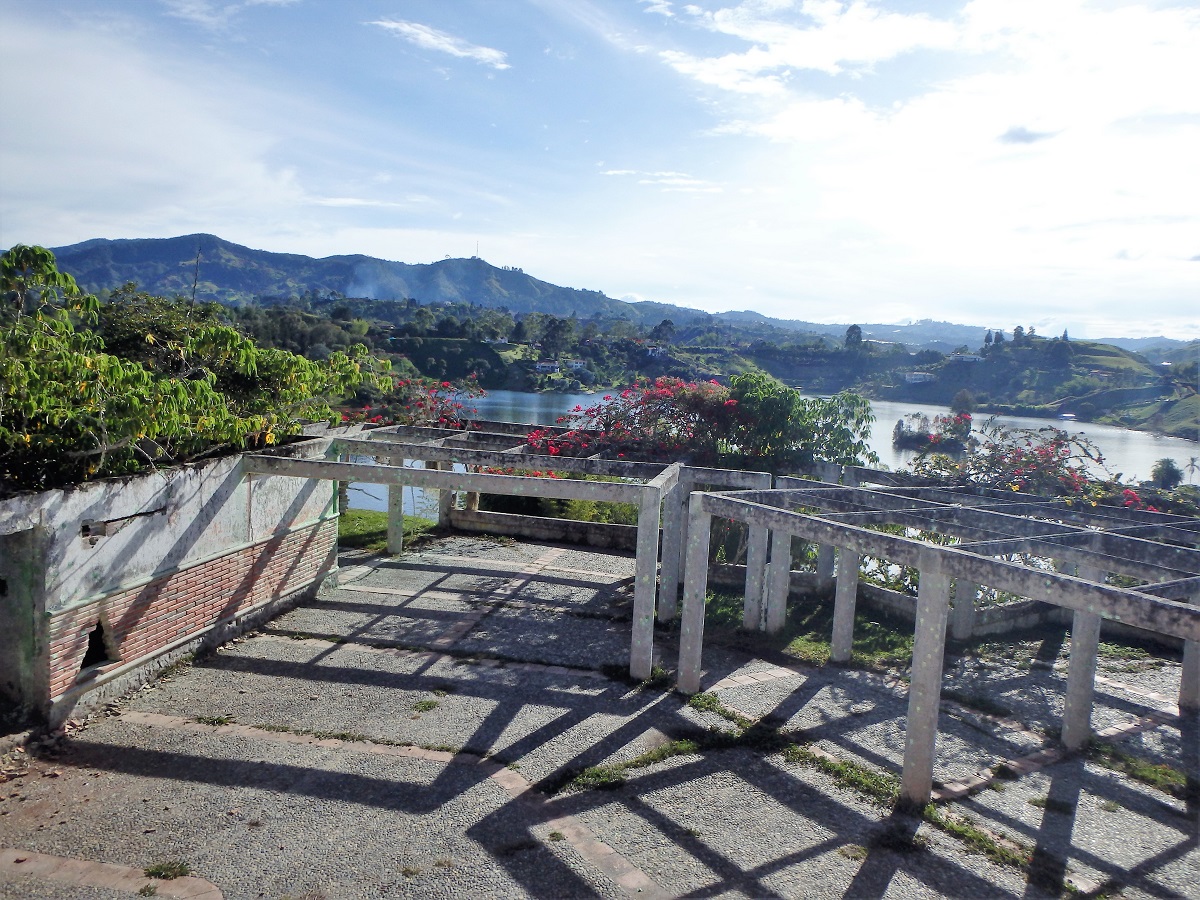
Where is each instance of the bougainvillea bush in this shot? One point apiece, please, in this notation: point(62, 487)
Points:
point(755, 422)
point(186, 388)
point(418, 400)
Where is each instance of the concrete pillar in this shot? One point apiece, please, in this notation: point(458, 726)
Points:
point(695, 585)
point(962, 619)
point(445, 497)
point(343, 496)
point(756, 574)
point(1081, 676)
point(925, 682)
point(825, 567)
point(672, 549)
point(641, 653)
point(1189, 685)
point(395, 535)
point(843, 604)
point(779, 582)
point(1189, 678)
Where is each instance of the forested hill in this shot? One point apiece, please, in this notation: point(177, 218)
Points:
point(229, 272)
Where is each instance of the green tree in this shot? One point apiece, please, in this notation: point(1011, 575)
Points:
point(71, 410)
point(1166, 474)
point(963, 402)
point(854, 337)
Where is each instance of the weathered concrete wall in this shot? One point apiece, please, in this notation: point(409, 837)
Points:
point(155, 562)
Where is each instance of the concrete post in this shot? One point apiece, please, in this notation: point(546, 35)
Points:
point(825, 567)
point(1189, 678)
point(445, 498)
point(395, 534)
point(925, 683)
point(1081, 676)
point(641, 653)
point(843, 604)
point(672, 548)
point(756, 574)
point(779, 583)
point(695, 585)
point(962, 620)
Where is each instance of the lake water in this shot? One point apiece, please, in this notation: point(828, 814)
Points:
point(1130, 453)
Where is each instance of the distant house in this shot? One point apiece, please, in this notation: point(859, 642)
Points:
point(657, 352)
point(575, 364)
point(919, 377)
point(964, 358)
point(546, 367)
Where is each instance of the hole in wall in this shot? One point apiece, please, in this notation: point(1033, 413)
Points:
point(97, 653)
point(3, 587)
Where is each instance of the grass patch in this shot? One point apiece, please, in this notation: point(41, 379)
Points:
point(855, 852)
point(148, 890)
point(884, 789)
point(366, 529)
point(1057, 806)
point(1165, 778)
point(965, 830)
point(557, 836)
point(706, 702)
point(425, 706)
point(168, 869)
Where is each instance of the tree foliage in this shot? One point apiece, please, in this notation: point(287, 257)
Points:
point(754, 423)
point(175, 386)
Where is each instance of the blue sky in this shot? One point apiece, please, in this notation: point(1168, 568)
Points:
point(997, 162)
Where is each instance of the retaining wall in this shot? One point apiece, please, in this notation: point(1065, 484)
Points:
point(103, 583)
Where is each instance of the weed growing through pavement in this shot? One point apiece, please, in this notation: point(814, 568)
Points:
point(557, 836)
point(214, 720)
point(1110, 806)
point(168, 869)
point(147, 890)
point(410, 871)
point(1057, 806)
point(425, 705)
point(855, 852)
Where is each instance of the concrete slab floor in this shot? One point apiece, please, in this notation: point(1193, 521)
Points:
point(417, 733)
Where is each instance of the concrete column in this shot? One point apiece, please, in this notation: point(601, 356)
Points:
point(843, 604)
point(1081, 676)
point(779, 583)
point(395, 534)
point(672, 548)
point(641, 651)
point(1189, 686)
point(343, 496)
point(695, 585)
point(1189, 678)
point(825, 567)
point(962, 620)
point(756, 574)
point(445, 497)
point(471, 504)
point(925, 682)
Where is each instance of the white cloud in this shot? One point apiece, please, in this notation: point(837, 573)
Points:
point(429, 38)
point(213, 14)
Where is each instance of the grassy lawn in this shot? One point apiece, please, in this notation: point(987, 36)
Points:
point(366, 529)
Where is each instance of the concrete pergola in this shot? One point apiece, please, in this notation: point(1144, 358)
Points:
point(659, 491)
point(963, 537)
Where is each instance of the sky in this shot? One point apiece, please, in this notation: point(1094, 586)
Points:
point(991, 162)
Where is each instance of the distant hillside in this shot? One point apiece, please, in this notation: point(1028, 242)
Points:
point(231, 273)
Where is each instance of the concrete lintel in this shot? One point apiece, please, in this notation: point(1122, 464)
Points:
point(569, 489)
point(727, 478)
point(484, 457)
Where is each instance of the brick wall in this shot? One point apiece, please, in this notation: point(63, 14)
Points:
point(143, 620)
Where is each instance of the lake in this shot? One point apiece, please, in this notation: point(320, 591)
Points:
point(1130, 453)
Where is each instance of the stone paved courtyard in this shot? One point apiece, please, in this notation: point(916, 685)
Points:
point(454, 722)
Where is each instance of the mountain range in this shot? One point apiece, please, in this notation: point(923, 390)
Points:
point(220, 270)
